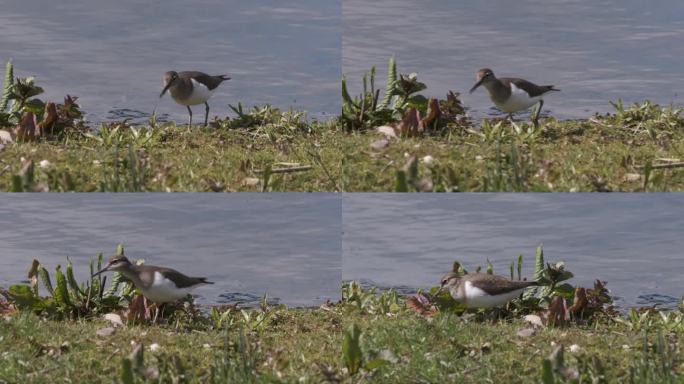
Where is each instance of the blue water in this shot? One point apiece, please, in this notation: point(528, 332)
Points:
point(632, 241)
point(285, 245)
point(113, 54)
point(594, 51)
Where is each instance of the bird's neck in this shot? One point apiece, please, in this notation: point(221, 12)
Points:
point(498, 91)
point(131, 274)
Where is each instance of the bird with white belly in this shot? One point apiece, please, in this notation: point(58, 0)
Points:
point(511, 94)
point(482, 290)
point(192, 88)
point(158, 284)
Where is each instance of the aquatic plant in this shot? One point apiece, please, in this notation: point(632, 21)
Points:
point(30, 117)
point(370, 300)
point(68, 298)
point(356, 361)
point(267, 120)
point(646, 118)
point(363, 111)
point(409, 113)
point(7, 87)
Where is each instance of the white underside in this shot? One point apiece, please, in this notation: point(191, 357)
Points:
point(518, 101)
point(200, 94)
point(164, 290)
point(476, 298)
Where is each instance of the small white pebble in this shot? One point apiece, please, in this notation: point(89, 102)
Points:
point(479, 158)
point(97, 162)
point(553, 343)
point(625, 346)
point(574, 348)
point(406, 154)
point(428, 159)
point(44, 164)
point(573, 189)
point(133, 342)
point(154, 347)
point(206, 346)
point(22, 159)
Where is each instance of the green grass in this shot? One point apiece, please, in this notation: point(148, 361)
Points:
point(295, 342)
point(449, 349)
point(392, 344)
point(632, 150)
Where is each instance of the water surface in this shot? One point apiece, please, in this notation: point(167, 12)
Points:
point(595, 51)
point(113, 54)
point(286, 245)
point(632, 241)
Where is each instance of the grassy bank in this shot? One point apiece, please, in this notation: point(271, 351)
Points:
point(425, 145)
point(629, 151)
point(345, 343)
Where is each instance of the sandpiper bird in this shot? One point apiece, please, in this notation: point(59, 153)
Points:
point(512, 94)
point(482, 290)
point(159, 284)
point(192, 88)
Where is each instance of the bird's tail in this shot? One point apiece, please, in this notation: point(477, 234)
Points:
point(551, 88)
point(205, 281)
point(224, 77)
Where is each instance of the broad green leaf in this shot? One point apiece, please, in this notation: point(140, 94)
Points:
point(375, 363)
point(72, 281)
point(127, 371)
point(61, 293)
point(351, 349)
point(45, 278)
point(22, 296)
point(539, 263)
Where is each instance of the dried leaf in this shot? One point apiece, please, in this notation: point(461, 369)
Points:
point(108, 331)
point(137, 311)
point(5, 137)
point(526, 332)
point(557, 314)
point(433, 113)
point(6, 308)
point(114, 318)
point(534, 320)
point(421, 305)
point(33, 275)
point(389, 132)
point(379, 144)
point(250, 181)
point(580, 303)
point(50, 118)
point(28, 128)
point(411, 125)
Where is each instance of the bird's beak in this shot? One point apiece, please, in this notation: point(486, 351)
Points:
point(166, 88)
point(439, 292)
point(479, 82)
point(105, 269)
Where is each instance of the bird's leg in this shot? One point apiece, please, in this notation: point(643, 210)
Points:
point(156, 313)
point(206, 113)
point(535, 120)
point(510, 117)
point(190, 112)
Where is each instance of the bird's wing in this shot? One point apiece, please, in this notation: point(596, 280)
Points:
point(532, 89)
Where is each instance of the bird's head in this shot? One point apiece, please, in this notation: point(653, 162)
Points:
point(484, 76)
point(170, 79)
point(116, 263)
